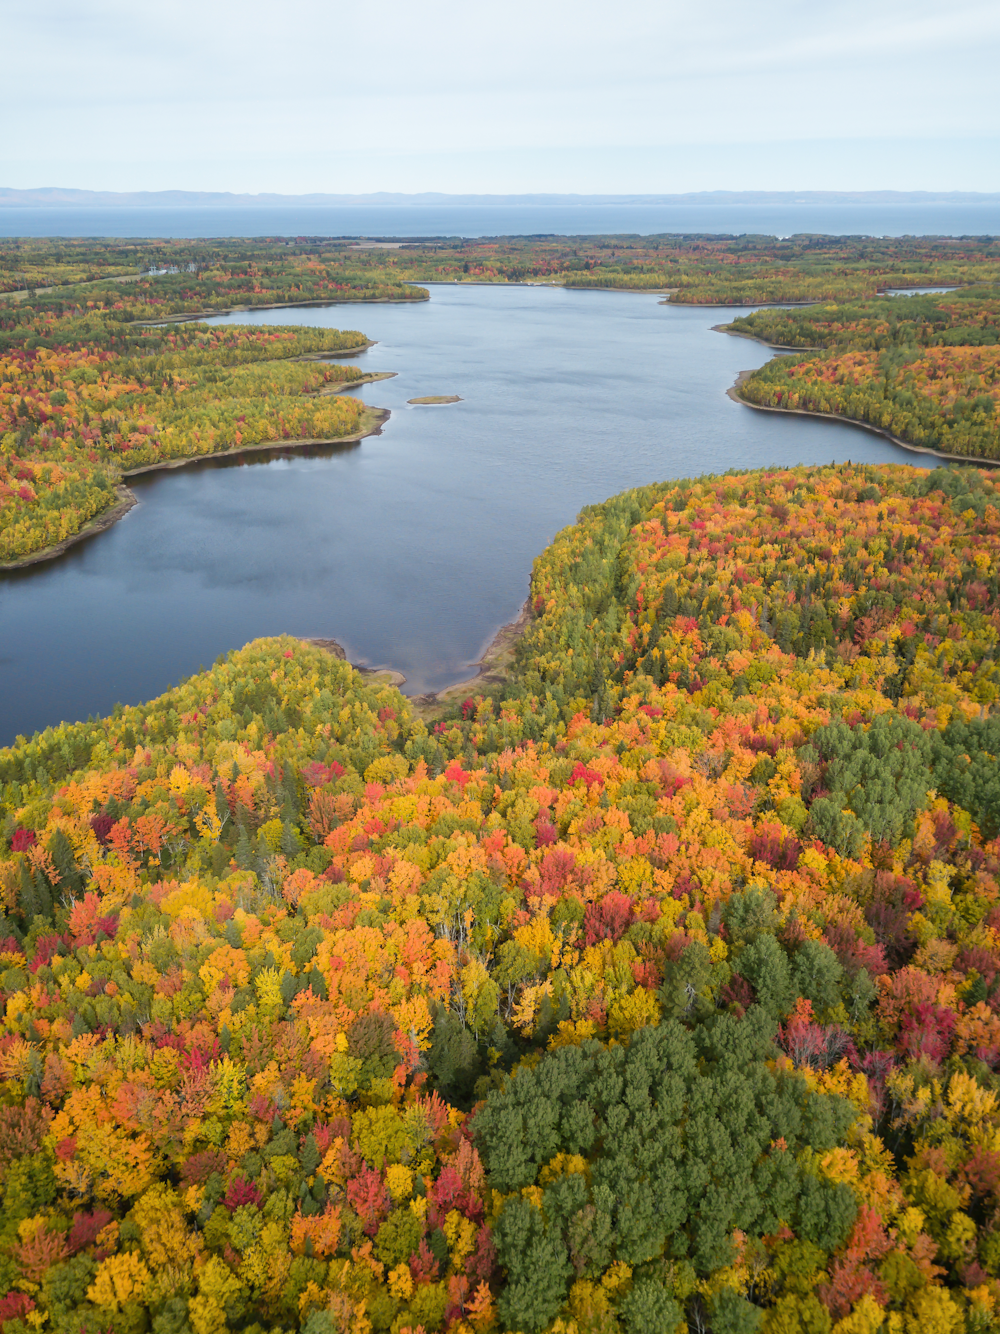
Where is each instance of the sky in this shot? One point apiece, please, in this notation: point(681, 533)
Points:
point(646, 96)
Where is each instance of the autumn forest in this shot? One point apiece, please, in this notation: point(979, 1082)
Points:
point(652, 987)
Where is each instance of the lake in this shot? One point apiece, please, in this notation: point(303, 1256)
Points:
point(414, 546)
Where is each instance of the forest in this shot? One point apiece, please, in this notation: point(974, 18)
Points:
point(923, 368)
point(656, 989)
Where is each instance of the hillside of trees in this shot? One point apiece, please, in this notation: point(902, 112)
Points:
point(924, 368)
point(658, 990)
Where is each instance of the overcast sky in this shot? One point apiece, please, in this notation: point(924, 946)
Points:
point(643, 96)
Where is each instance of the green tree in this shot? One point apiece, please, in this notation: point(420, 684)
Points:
point(686, 1135)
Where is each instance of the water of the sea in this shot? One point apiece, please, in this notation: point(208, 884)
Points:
point(416, 220)
point(414, 546)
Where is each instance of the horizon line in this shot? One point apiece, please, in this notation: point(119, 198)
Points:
point(63, 196)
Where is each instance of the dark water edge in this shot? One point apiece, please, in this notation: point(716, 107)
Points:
point(414, 546)
point(585, 219)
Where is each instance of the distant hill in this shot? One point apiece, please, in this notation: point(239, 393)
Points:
point(56, 196)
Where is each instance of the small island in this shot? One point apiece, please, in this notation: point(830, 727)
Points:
point(434, 399)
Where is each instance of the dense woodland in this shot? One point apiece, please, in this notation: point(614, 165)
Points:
point(658, 990)
point(924, 368)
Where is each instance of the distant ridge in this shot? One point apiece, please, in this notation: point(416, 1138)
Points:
point(56, 196)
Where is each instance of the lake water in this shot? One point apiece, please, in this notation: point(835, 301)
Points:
point(413, 547)
point(516, 219)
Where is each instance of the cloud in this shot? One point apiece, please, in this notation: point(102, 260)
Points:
point(204, 85)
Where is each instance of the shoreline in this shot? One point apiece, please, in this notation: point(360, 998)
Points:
point(335, 390)
point(336, 649)
point(127, 499)
point(380, 417)
point(188, 317)
point(740, 305)
point(492, 663)
point(347, 352)
point(733, 392)
point(778, 347)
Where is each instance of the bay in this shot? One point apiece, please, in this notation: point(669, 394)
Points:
point(414, 546)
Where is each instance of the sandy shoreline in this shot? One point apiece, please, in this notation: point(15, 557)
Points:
point(733, 392)
point(127, 498)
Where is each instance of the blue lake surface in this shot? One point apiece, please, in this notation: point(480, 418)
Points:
point(416, 220)
point(414, 546)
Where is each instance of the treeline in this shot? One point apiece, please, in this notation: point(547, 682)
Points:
point(659, 990)
point(183, 277)
point(703, 270)
point(924, 368)
point(27, 263)
point(969, 318)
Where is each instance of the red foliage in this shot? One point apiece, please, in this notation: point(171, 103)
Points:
point(444, 1192)
point(239, 1192)
point(979, 959)
point(200, 1166)
point(609, 919)
point(482, 1262)
point(582, 773)
point(556, 870)
point(265, 1109)
point(423, 1266)
point(894, 901)
point(14, 1306)
point(738, 991)
point(982, 1171)
point(46, 948)
point(102, 826)
point(85, 1227)
point(545, 832)
point(816, 1045)
point(201, 1057)
point(23, 839)
point(926, 1030)
point(854, 954)
point(368, 1197)
point(850, 1274)
point(315, 774)
point(774, 845)
point(673, 781)
point(22, 1129)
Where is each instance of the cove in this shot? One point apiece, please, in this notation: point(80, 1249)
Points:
point(414, 546)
